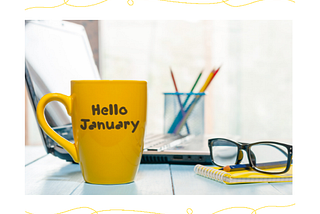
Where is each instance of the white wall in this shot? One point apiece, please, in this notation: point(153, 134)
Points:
point(252, 94)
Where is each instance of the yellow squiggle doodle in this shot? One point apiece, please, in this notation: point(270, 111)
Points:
point(189, 210)
point(229, 208)
point(182, 2)
point(78, 209)
point(254, 211)
point(84, 5)
point(241, 4)
point(131, 2)
point(223, 1)
point(126, 211)
point(64, 2)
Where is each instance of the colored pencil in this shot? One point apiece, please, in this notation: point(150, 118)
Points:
point(179, 118)
point(194, 102)
point(214, 74)
point(266, 165)
point(235, 167)
point(194, 85)
point(179, 100)
point(175, 122)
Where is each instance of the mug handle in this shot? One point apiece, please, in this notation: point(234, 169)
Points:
point(66, 101)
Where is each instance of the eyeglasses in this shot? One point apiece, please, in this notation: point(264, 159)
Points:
point(267, 157)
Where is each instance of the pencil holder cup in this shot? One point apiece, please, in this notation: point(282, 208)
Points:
point(188, 121)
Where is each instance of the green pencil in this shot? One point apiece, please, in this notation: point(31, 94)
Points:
point(176, 120)
point(194, 85)
point(196, 81)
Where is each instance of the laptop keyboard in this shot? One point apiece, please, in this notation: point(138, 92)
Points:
point(161, 142)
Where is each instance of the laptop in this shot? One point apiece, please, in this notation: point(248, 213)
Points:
point(59, 51)
point(177, 149)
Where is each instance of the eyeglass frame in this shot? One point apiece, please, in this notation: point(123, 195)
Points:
point(246, 147)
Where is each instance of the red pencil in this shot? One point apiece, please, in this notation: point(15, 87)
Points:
point(174, 81)
point(214, 74)
point(179, 100)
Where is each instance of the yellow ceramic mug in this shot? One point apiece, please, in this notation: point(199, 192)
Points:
point(108, 121)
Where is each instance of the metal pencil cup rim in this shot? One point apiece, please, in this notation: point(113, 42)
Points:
point(179, 93)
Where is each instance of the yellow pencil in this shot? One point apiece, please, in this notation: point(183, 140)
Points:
point(207, 81)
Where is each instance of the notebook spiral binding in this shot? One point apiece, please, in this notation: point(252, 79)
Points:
point(214, 174)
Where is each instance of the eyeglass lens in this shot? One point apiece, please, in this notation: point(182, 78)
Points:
point(224, 152)
point(269, 157)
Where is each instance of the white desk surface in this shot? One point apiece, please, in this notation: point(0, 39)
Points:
point(49, 175)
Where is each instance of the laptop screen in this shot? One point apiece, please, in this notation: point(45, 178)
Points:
point(56, 52)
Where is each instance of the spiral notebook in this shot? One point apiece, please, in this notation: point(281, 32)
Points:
point(241, 176)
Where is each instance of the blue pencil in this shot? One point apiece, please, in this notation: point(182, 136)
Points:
point(259, 165)
point(179, 100)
